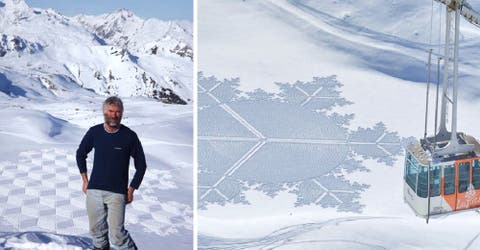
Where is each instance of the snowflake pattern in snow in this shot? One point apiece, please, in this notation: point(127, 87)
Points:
point(289, 141)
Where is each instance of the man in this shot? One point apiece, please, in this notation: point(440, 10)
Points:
point(107, 192)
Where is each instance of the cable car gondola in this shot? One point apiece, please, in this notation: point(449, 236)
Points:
point(442, 172)
point(442, 184)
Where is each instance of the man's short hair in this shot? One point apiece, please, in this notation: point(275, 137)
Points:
point(113, 100)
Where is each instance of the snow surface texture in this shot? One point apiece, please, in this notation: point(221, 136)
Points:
point(350, 233)
point(111, 54)
point(370, 57)
point(43, 241)
point(41, 194)
point(283, 142)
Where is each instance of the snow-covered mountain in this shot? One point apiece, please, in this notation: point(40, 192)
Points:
point(44, 52)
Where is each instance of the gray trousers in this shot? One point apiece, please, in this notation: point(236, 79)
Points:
point(103, 206)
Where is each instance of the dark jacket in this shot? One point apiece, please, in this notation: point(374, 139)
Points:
point(111, 158)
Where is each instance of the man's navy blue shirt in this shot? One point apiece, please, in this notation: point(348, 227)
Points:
point(112, 158)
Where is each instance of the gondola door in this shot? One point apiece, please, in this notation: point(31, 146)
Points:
point(448, 186)
point(463, 180)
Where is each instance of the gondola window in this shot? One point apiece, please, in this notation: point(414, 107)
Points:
point(435, 181)
point(422, 183)
point(476, 174)
point(449, 179)
point(411, 174)
point(463, 177)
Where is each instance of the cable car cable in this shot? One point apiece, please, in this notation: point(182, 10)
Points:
point(428, 93)
point(426, 107)
point(436, 104)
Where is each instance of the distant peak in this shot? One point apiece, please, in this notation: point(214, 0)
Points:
point(15, 3)
point(122, 15)
point(125, 12)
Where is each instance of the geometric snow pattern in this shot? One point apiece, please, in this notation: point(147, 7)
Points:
point(42, 192)
point(284, 142)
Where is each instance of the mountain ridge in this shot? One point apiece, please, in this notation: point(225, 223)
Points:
point(111, 54)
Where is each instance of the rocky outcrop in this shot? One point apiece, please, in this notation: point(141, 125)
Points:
point(17, 45)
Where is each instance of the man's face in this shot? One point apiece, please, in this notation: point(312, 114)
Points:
point(113, 115)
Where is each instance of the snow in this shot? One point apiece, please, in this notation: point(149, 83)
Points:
point(41, 183)
point(52, 87)
point(38, 240)
point(103, 53)
point(254, 190)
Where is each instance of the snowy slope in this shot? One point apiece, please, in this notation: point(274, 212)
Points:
point(41, 186)
point(54, 76)
point(109, 54)
point(315, 157)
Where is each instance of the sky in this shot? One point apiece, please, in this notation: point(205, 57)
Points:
point(160, 9)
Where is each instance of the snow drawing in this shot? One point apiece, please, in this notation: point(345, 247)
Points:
point(42, 192)
point(290, 141)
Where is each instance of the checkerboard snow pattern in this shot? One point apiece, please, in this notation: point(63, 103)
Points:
point(42, 192)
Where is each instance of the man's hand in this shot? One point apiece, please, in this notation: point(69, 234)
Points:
point(130, 195)
point(85, 183)
point(84, 187)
